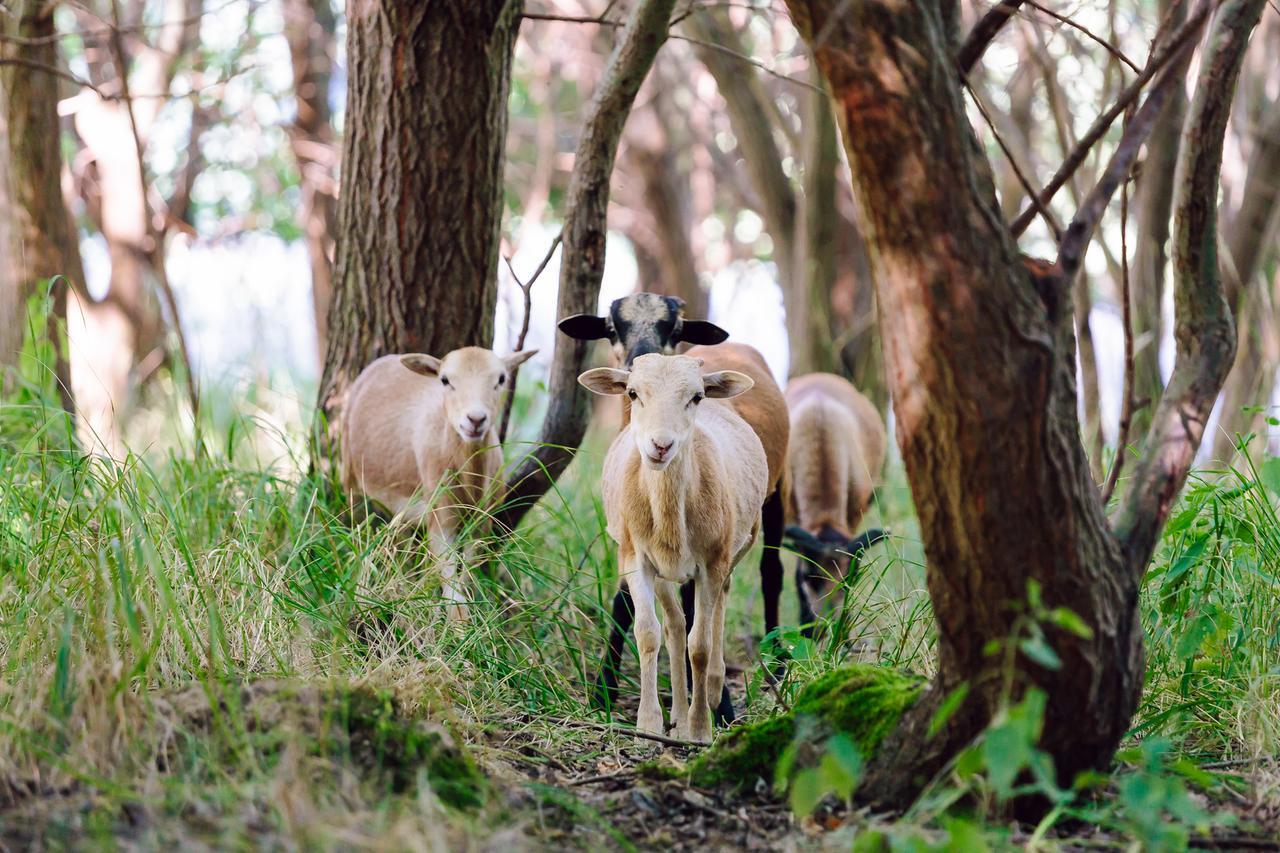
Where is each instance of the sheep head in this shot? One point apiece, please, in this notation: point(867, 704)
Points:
point(473, 380)
point(643, 323)
point(665, 392)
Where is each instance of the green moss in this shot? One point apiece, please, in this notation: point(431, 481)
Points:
point(864, 702)
point(378, 736)
point(356, 726)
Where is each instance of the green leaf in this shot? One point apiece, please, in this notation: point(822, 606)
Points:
point(1269, 474)
point(1200, 629)
point(1067, 620)
point(947, 709)
point(807, 791)
point(1041, 652)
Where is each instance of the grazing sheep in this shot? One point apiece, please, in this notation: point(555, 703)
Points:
point(648, 323)
point(683, 483)
point(836, 453)
point(419, 437)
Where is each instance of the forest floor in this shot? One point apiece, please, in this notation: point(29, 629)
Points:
point(199, 647)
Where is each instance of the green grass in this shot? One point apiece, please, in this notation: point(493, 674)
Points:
point(196, 642)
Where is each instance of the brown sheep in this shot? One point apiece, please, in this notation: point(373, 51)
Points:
point(836, 453)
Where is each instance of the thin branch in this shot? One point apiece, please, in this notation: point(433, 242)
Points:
point(1072, 246)
point(1205, 330)
point(1054, 226)
point(56, 72)
point(526, 288)
point(1126, 406)
point(983, 33)
point(156, 252)
point(1071, 22)
point(742, 57)
point(1161, 58)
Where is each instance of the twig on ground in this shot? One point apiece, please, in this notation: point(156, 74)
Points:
point(619, 775)
point(625, 732)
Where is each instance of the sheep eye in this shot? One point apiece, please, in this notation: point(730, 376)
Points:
point(697, 398)
point(502, 380)
point(631, 394)
point(444, 380)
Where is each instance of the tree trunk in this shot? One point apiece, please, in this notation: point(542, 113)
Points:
point(810, 286)
point(421, 202)
point(1153, 206)
point(662, 226)
point(310, 26)
point(41, 240)
point(583, 253)
point(981, 363)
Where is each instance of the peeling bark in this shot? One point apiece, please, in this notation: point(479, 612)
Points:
point(981, 362)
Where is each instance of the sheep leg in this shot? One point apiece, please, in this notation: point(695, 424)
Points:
point(724, 713)
point(773, 520)
point(605, 695)
point(443, 545)
point(708, 672)
point(674, 628)
point(641, 583)
point(807, 616)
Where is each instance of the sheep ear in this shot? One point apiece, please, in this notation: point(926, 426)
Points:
point(427, 365)
point(804, 541)
point(726, 383)
point(605, 380)
point(585, 327)
point(518, 358)
point(702, 332)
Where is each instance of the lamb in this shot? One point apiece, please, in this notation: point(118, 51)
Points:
point(649, 323)
point(419, 438)
point(836, 453)
point(683, 484)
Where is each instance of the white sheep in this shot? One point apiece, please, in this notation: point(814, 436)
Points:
point(419, 437)
point(683, 484)
point(837, 450)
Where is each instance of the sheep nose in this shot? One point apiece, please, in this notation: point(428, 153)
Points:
point(661, 448)
point(477, 420)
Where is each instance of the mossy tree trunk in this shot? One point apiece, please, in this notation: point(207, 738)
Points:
point(39, 238)
point(421, 201)
point(980, 355)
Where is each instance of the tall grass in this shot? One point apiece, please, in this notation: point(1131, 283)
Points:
point(139, 597)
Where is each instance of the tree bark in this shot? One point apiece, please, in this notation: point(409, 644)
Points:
point(981, 362)
point(583, 252)
point(40, 240)
point(421, 203)
point(310, 29)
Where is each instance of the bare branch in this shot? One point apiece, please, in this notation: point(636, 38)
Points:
point(1071, 22)
point(1161, 57)
point(983, 33)
point(156, 249)
point(582, 263)
point(1127, 404)
point(526, 288)
point(1205, 331)
point(1073, 244)
point(56, 72)
point(1055, 227)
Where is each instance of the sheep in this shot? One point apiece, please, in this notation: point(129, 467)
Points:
point(836, 453)
point(683, 483)
point(419, 438)
point(649, 323)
